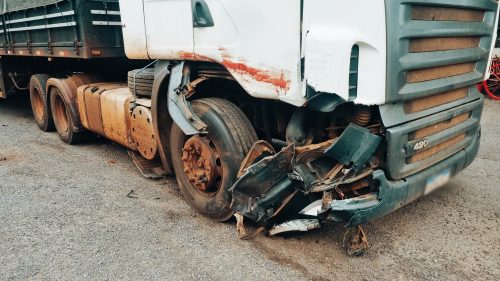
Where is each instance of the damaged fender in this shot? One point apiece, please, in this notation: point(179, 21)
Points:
point(179, 108)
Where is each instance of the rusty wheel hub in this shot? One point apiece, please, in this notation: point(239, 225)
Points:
point(202, 164)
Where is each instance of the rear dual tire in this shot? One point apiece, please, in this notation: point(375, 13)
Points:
point(63, 119)
point(40, 102)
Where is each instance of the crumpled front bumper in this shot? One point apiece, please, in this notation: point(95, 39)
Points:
point(393, 194)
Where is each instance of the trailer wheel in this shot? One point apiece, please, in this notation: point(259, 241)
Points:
point(63, 120)
point(206, 165)
point(40, 103)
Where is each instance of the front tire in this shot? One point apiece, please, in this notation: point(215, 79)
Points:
point(206, 165)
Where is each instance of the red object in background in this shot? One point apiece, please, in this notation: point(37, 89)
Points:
point(492, 86)
point(480, 87)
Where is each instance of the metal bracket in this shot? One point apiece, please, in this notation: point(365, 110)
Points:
point(179, 108)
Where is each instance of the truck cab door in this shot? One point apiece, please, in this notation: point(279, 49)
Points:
point(169, 28)
point(258, 42)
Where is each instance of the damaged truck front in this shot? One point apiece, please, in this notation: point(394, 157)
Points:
point(285, 113)
point(412, 121)
point(350, 110)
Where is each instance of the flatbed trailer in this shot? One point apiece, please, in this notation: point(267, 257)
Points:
point(65, 32)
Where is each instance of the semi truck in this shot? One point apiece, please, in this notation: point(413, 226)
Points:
point(283, 113)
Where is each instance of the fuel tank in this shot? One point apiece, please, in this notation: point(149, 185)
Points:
point(107, 109)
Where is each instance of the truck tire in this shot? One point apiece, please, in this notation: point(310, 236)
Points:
point(141, 81)
point(40, 103)
point(220, 152)
point(63, 119)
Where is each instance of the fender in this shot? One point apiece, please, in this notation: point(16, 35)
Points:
point(179, 108)
point(70, 97)
point(162, 122)
point(166, 95)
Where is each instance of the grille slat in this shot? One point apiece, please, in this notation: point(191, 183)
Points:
point(446, 14)
point(441, 126)
point(428, 74)
point(436, 149)
point(439, 86)
point(443, 44)
point(433, 59)
point(421, 104)
point(431, 29)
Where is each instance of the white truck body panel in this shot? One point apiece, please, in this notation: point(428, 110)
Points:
point(331, 29)
point(134, 30)
point(169, 28)
point(259, 43)
point(494, 52)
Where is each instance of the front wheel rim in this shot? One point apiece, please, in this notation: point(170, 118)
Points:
point(202, 165)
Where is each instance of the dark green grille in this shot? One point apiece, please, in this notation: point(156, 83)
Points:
point(402, 29)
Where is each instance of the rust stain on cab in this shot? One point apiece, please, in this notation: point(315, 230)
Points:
point(258, 74)
point(186, 55)
point(279, 80)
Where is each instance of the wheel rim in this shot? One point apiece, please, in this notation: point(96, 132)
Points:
point(38, 104)
point(61, 114)
point(202, 165)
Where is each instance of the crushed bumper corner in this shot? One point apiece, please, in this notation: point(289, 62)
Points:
point(392, 195)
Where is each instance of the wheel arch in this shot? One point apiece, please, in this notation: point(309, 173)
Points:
point(70, 98)
point(162, 121)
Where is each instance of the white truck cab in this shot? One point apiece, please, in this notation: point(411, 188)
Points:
point(274, 49)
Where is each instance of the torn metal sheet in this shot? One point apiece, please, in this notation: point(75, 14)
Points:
point(259, 151)
point(312, 209)
point(302, 225)
point(341, 210)
point(264, 186)
point(359, 243)
point(355, 147)
point(275, 188)
point(328, 184)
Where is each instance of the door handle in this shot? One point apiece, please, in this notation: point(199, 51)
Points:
point(202, 17)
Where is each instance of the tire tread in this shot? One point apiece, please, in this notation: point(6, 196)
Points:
point(239, 125)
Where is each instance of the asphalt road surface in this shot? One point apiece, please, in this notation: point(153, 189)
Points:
point(65, 215)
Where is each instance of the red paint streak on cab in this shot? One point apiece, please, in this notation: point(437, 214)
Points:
point(186, 55)
point(258, 74)
point(278, 81)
